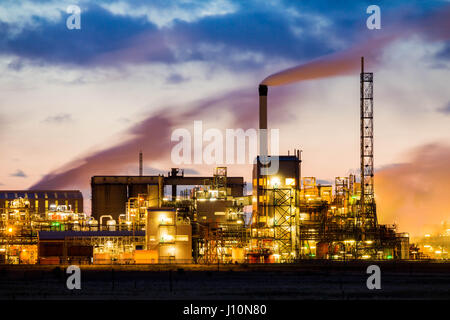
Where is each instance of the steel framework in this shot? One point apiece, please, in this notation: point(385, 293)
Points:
point(220, 181)
point(281, 202)
point(368, 210)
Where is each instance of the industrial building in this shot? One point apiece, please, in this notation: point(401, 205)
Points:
point(42, 201)
point(24, 213)
point(111, 193)
point(145, 219)
point(84, 247)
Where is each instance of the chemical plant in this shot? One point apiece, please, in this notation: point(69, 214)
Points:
point(175, 218)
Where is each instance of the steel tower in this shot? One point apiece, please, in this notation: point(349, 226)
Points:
point(368, 208)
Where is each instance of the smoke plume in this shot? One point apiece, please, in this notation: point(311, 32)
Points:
point(433, 27)
point(414, 194)
point(333, 65)
point(152, 136)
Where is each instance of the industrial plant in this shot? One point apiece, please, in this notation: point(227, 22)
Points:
point(175, 218)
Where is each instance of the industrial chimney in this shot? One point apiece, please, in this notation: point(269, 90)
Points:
point(263, 120)
point(263, 106)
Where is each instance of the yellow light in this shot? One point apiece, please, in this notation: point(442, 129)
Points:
point(365, 257)
point(166, 238)
point(10, 230)
point(164, 220)
point(427, 236)
point(290, 181)
point(239, 221)
point(275, 181)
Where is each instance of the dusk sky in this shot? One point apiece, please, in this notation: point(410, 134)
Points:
point(86, 101)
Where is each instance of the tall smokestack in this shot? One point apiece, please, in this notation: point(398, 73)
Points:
point(262, 106)
point(262, 120)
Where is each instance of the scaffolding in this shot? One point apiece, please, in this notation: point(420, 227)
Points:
point(221, 227)
point(281, 203)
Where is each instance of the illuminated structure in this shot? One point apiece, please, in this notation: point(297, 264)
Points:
point(368, 216)
point(275, 211)
point(146, 219)
point(41, 201)
point(22, 218)
point(435, 245)
point(291, 222)
point(168, 236)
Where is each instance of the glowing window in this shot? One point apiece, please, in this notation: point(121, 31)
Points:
point(290, 181)
point(182, 238)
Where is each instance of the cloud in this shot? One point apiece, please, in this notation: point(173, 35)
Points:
point(222, 32)
point(19, 173)
point(59, 118)
point(20, 15)
point(101, 33)
point(346, 61)
point(445, 109)
point(16, 65)
point(414, 194)
point(176, 78)
point(124, 120)
point(164, 13)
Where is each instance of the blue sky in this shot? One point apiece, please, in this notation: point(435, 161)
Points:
point(180, 31)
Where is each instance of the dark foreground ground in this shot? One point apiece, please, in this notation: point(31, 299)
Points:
point(308, 280)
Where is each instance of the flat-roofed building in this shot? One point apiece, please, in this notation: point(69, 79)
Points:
point(40, 201)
